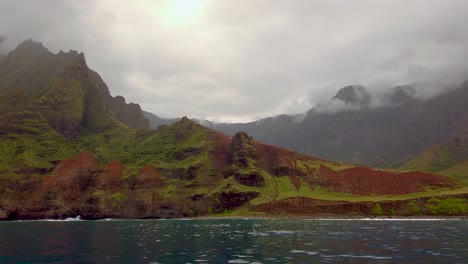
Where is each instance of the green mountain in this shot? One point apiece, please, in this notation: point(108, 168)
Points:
point(66, 151)
point(155, 121)
point(449, 159)
point(32, 77)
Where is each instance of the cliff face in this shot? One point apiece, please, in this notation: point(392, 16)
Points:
point(32, 78)
point(127, 113)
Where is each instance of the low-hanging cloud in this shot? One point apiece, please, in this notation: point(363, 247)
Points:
point(241, 60)
point(2, 40)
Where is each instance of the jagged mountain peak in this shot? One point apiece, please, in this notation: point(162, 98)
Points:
point(70, 54)
point(401, 94)
point(185, 124)
point(185, 119)
point(34, 70)
point(241, 136)
point(31, 45)
point(353, 94)
point(30, 49)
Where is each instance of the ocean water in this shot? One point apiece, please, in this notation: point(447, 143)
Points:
point(235, 241)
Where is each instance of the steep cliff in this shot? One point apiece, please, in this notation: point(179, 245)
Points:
point(32, 76)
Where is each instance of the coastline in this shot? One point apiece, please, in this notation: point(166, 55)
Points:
point(263, 217)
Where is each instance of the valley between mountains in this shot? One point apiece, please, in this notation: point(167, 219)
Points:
point(68, 148)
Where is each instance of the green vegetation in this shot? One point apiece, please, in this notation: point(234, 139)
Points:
point(377, 210)
point(116, 199)
point(449, 159)
point(314, 164)
point(62, 105)
point(109, 145)
point(413, 208)
point(28, 141)
point(447, 206)
point(177, 146)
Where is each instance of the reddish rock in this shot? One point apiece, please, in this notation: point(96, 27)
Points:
point(80, 164)
point(219, 152)
point(65, 187)
point(73, 174)
point(111, 177)
point(147, 177)
point(366, 181)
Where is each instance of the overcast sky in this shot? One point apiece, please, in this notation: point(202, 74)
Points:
point(240, 60)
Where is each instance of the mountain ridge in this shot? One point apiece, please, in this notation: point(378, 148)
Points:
point(374, 136)
point(29, 71)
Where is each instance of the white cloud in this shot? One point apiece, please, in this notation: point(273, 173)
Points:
point(239, 60)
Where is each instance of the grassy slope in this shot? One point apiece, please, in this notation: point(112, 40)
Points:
point(32, 144)
point(27, 141)
point(449, 159)
point(276, 188)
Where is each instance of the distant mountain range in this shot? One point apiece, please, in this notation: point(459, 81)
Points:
point(349, 129)
point(155, 121)
point(400, 132)
point(68, 148)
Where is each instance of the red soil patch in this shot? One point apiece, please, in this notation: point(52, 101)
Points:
point(220, 136)
point(111, 176)
point(113, 165)
point(365, 181)
point(219, 153)
point(308, 206)
point(81, 163)
point(279, 162)
point(70, 178)
point(147, 177)
point(269, 154)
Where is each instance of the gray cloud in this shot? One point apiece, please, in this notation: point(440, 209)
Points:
point(3, 51)
point(241, 60)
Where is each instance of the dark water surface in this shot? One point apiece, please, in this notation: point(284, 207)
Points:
point(235, 241)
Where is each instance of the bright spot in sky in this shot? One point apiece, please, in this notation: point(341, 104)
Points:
point(181, 12)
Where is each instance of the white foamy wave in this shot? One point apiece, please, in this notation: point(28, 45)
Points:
point(78, 218)
point(69, 219)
